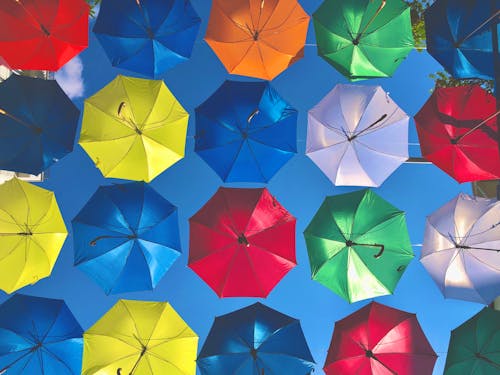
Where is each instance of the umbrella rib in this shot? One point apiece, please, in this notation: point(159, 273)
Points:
point(264, 67)
point(256, 162)
point(252, 267)
point(241, 27)
point(229, 214)
point(226, 276)
point(58, 359)
point(284, 20)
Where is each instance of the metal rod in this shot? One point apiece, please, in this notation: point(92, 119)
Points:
point(360, 34)
point(458, 139)
point(480, 26)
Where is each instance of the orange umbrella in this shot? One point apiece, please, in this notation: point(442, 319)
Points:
point(257, 38)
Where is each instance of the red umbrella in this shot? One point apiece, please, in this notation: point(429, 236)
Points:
point(242, 242)
point(379, 340)
point(457, 130)
point(42, 34)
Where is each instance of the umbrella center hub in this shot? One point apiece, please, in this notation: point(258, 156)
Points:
point(369, 353)
point(242, 240)
point(26, 231)
point(253, 353)
point(37, 346)
point(37, 130)
point(349, 243)
point(138, 131)
point(244, 135)
point(255, 35)
point(132, 236)
point(355, 41)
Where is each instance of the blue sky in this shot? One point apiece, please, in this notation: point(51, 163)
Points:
point(300, 186)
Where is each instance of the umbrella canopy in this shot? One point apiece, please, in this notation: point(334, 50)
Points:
point(459, 36)
point(134, 129)
point(245, 131)
point(140, 338)
point(255, 340)
point(357, 135)
point(257, 38)
point(39, 336)
point(475, 345)
point(37, 124)
point(461, 248)
point(242, 242)
point(32, 233)
point(457, 130)
point(42, 34)
point(358, 245)
point(379, 340)
point(364, 38)
point(126, 237)
point(147, 36)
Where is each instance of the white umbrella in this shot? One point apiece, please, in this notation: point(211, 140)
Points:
point(357, 135)
point(461, 249)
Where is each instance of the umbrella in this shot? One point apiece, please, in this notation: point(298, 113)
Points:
point(245, 131)
point(37, 124)
point(475, 345)
point(459, 36)
point(457, 132)
point(126, 237)
point(42, 34)
point(147, 36)
point(32, 232)
point(256, 340)
point(257, 38)
point(39, 336)
point(358, 245)
point(242, 242)
point(357, 135)
point(138, 338)
point(379, 340)
point(364, 38)
point(134, 129)
point(461, 248)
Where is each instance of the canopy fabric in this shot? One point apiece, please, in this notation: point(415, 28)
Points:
point(255, 340)
point(257, 38)
point(457, 129)
point(475, 346)
point(364, 38)
point(245, 131)
point(459, 36)
point(147, 36)
point(32, 233)
point(242, 242)
point(37, 124)
point(126, 237)
point(140, 338)
point(461, 248)
point(42, 34)
point(358, 245)
point(379, 340)
point(39, 336)
point(134, 128)
point(357, 135)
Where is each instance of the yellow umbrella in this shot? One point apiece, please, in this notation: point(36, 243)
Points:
point(134, 128)
point(140, 338)
point(32, 232)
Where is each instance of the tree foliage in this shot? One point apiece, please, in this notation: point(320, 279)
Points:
point(93, 4)
point(444, 79)
point(418, 8)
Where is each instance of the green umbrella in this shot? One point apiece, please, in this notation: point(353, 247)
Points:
point(475, 345)
point(364, 38)
point(358, 245)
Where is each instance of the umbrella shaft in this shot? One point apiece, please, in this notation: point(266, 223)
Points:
point(360, 34)
point(368, 127)
point(43, 28)
point(18, 120)
point(378, 255)
point(497, 13)
point(128, 237)
point(477, 126)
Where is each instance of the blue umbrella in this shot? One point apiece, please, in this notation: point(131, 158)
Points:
point(256, 340)
point(459, 36)
point(245, 131)
point(37, 124)
point(147, 36)
point(39, 336)
point(126, 237)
